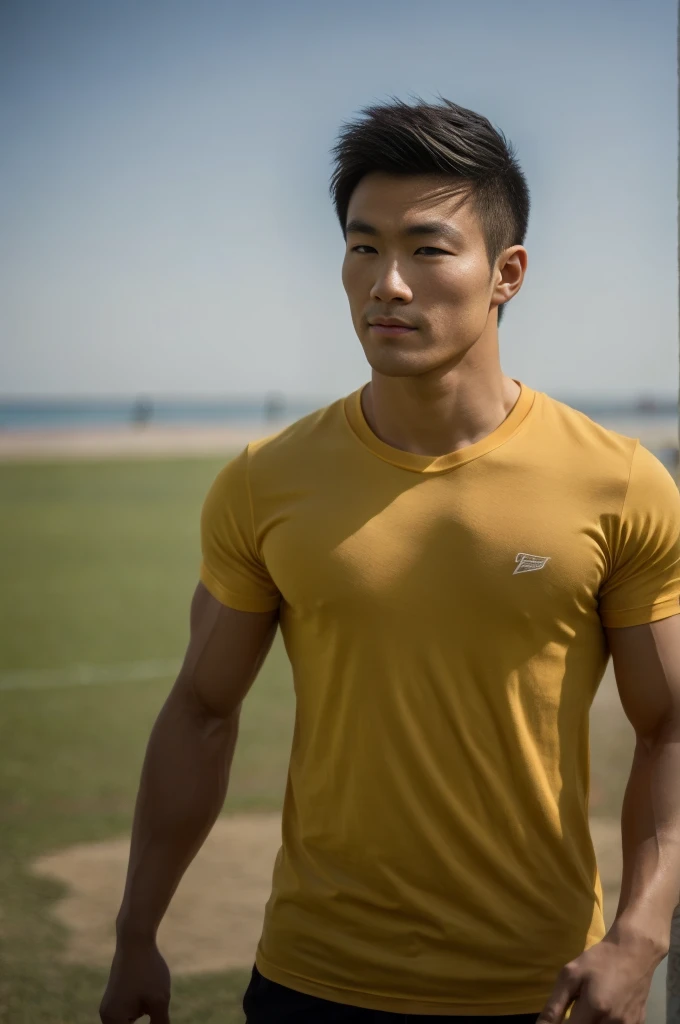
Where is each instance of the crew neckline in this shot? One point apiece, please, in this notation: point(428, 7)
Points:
point(437, 463)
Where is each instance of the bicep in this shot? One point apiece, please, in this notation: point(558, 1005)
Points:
point(225, 652)
point(647, 668)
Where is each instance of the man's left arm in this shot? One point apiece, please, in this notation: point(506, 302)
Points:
point(647, 668)
point(610, 982)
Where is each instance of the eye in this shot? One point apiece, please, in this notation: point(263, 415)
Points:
point(363, 248)
point(431, 250)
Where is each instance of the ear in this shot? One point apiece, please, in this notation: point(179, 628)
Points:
point(509, 274)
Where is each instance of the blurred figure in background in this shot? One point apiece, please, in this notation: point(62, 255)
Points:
point(274, 407)
point(142, 411)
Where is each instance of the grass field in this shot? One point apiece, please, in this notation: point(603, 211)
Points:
point(100, 560)
point(99, 563)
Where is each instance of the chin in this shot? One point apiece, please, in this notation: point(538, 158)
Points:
point(398, 367)
point(391, 361)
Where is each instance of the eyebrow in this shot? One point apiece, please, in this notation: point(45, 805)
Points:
point(430, 227)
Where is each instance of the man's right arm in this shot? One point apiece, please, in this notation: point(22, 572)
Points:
point(182, 789)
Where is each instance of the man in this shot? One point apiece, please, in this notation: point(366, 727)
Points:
point(450, 556)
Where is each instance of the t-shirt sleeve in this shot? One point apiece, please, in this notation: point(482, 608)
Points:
point(644, 582)
point(232, 567)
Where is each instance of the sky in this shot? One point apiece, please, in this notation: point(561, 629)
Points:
point(165, 225)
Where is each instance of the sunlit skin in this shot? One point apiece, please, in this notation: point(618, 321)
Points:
point(416, 252)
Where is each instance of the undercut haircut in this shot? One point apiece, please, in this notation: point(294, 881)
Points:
point(440, 139)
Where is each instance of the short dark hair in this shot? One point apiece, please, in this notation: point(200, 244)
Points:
point(437, 138)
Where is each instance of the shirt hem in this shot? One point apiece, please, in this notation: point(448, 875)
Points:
point(395, 1004)
point(642, 616)
point(239, 602)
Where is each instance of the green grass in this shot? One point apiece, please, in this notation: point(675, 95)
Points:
point(99, 564)
point(99, 559)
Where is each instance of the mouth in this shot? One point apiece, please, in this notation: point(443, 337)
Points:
point(390, 327)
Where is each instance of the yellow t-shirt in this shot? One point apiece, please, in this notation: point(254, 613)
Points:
point(443, 617)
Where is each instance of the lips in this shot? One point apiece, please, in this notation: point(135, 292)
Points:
point(387, 329)
point(390, 326)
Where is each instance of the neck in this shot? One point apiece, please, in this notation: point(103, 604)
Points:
point(434, 414)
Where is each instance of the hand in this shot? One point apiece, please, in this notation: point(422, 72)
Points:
point(608, 984)
point(139, 985)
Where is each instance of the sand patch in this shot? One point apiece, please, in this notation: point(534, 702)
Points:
point(215, 919)
point(156, 440)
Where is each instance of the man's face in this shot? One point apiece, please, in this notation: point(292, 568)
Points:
point(415, 253)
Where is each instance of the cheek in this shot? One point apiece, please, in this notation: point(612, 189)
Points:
point(464, 282)
point(356, 288)
point(349, 276)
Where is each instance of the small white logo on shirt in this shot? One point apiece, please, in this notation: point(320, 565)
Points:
point(529, 563)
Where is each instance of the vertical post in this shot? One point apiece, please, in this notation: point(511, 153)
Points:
point(673, 964)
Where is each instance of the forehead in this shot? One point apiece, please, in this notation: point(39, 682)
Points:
point(392, 202)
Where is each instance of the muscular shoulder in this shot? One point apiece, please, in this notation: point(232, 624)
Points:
point(591, 457)
point(578, 434)
point(300, 447)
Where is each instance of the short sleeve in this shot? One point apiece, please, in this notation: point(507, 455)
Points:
point(644, 583)
point(232, 568)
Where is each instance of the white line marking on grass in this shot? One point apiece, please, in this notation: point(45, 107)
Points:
point(89, 675)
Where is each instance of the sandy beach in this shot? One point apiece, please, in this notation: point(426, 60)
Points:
point(130, 442)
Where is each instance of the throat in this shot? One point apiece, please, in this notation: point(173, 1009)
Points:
point(438, 427)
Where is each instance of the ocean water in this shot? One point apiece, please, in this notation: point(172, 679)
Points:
point(74, 413)
point(84, 413)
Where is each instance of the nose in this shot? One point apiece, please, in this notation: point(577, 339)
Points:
point(390, 285)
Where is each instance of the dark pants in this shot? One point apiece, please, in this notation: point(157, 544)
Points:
point(267, 1002)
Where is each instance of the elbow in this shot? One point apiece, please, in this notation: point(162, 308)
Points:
point(190, 700)
point(665, 730)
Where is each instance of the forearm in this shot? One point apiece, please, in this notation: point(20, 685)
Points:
point(182, 789)
point(650, 827)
